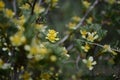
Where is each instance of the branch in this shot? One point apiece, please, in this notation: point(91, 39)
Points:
point(81, 21)
point(102, 46)
point(40, 2)
point(77, 62)
point(47, 10)
point(88, 11)
point(14, 7)
point(33, 6)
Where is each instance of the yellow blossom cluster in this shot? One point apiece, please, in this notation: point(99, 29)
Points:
point(111, 1)
point(89, 36)
point(86, 47)
point(89, 20)
point(107, 48)
point(36, 50)
point(53, 2)
point(52, 35)
point(40, 27)
point(86, 4)
point(25, 76)
point(26, 6)
point(74, 22)
point(18, 39)
point(2, 5)
point(20, 21)
point(9, 13)
point(45, 76)
point(89, 62)
point(38, 9)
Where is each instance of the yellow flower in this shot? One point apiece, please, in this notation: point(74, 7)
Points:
point(86, 47)
point(53, 58)
point(34, 50)
point(21, 20)
point(45, 76)
point(92, 36)
point(9, 13)
point(89, 62)
point(71, 25)
point(76, 18)
point(2, 5)
point(86, 4)
point(111, 1)
point(65, 52)
point(17, 39)
point(54, 2)
point(84, 33)
point(89, 20)
point(26, 76)
point(25, 6)
point(39, 26)
point(108, 48)
point(52, 35)
point(38, 9)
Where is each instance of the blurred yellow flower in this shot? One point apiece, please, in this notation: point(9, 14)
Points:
point(53, 58)
point(9, 13)
point(26, 76)
point(108, 48)
point(25, 6)
point(71, 25)
point(86, 47)
point(84, 33)
point(52, 35)
point(92, 36)
point(76, 18)
point(89, 62)
point(38, 9)
point(17, 39)
point(54, 2)
point(21, 20)
point(86, 4)
point(45, 76)
point(2, 5)
point(39, 26)
point(65, 52)
point(111, 1)
point(34, 49)
point(89, 20)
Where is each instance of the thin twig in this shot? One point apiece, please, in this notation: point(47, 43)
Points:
point(33, 6)
point(88, 11)
point(77, 62)
point(70, 47)
point(81, 21)
point(102, 46)
point(40, 2)
point(14, 7)
point(64, 39)
point(47, 10)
